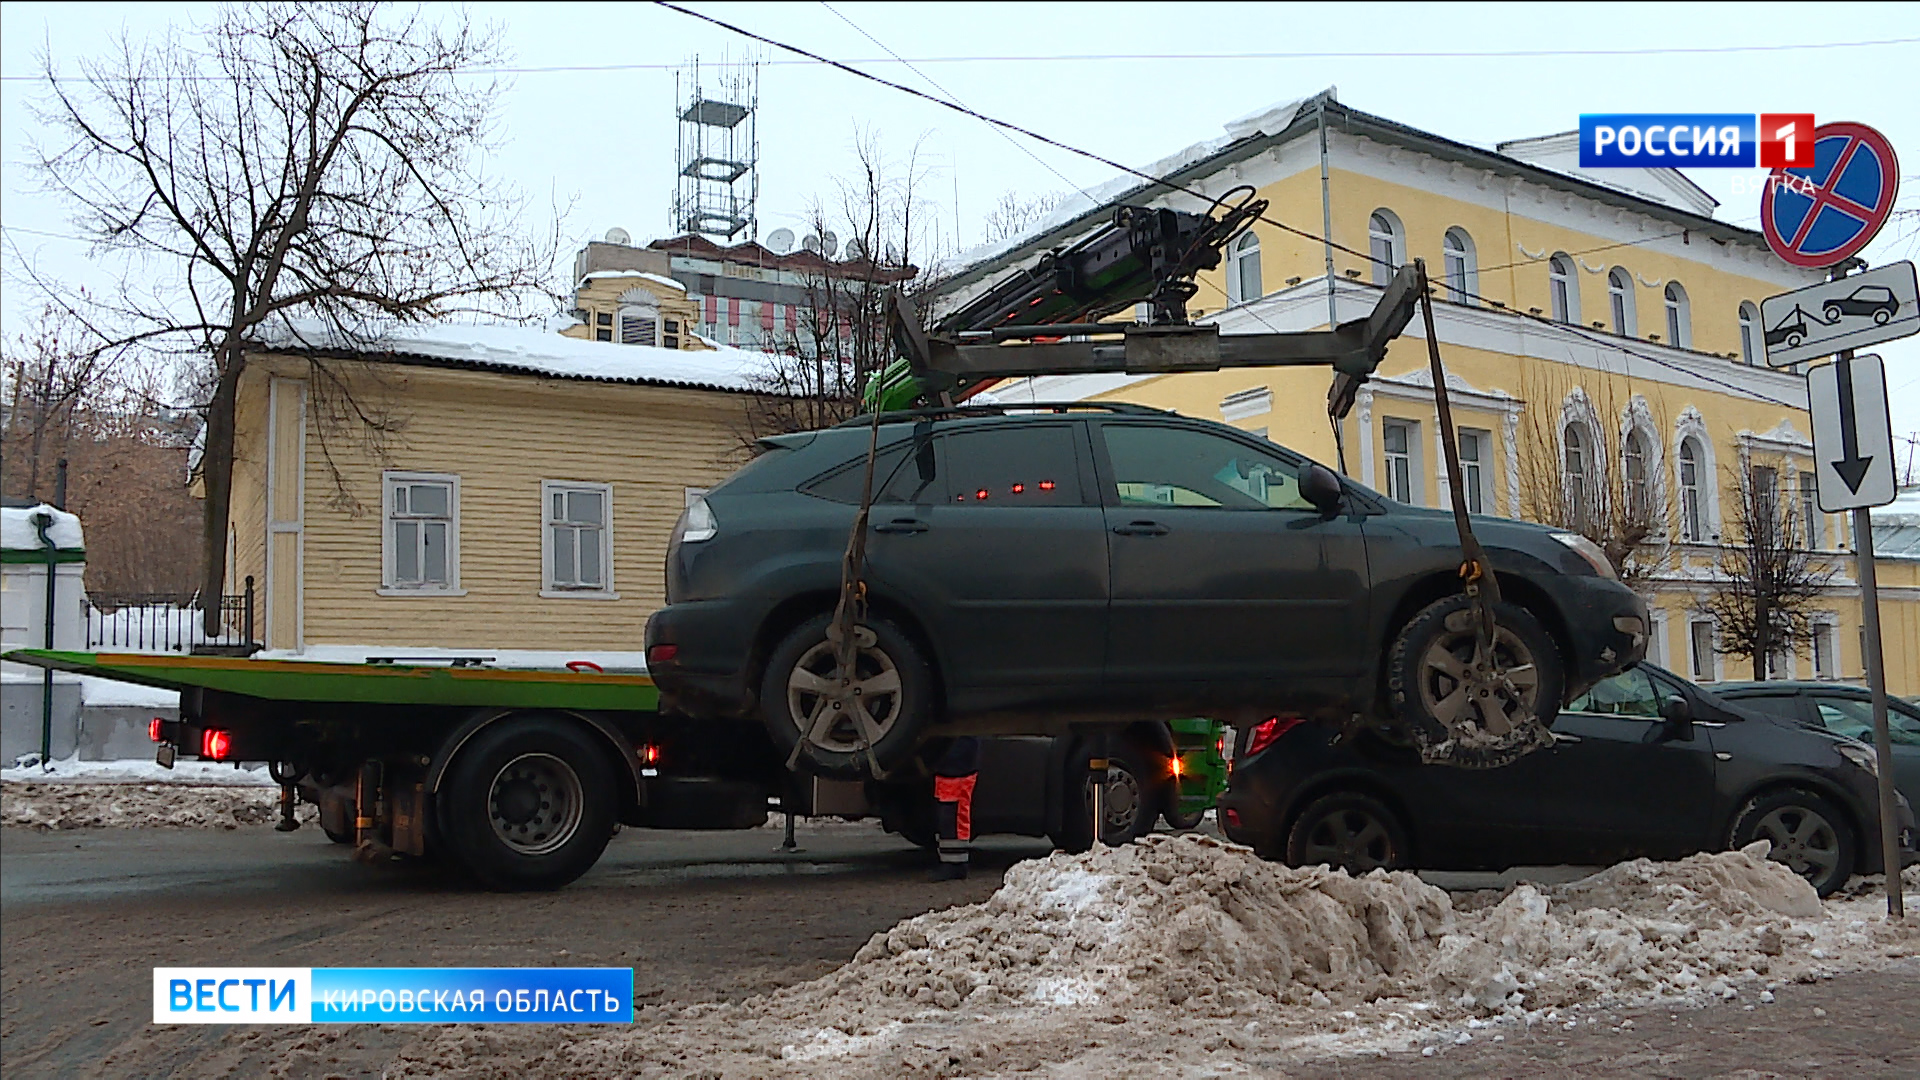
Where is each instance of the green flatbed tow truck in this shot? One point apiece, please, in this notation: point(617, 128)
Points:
point(522, 775)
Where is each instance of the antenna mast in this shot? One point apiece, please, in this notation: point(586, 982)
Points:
point(718, 153)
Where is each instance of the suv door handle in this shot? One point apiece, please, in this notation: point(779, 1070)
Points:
point(902, 525)
point(1141, 528)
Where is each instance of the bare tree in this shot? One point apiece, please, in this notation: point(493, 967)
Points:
point(52, 372)
point(1609, 490)
point(1016, 213)
point(840, 339)
point(288, 172)
point(1771, 578)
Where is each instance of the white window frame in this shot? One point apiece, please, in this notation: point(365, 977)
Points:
point(1641, 490)
point(637, 311)
point(1713, 653)
point(1392, 237)
point(1475, 474)
point(1620, 302)
point(391, 478)
point(1459, 265)
point(1411, 457)
point(1679, 316)
point(1244, 249)
point(1749, 344)
point(1826, 632)
point(551, 590)
point(1813, 529)
point(1563, 289)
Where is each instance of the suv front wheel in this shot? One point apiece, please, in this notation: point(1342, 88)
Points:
point(1466, 710)
point(849, 725)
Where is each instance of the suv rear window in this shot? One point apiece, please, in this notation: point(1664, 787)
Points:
point(896, 479)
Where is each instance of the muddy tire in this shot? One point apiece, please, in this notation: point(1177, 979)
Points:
point(1348, 830)
point(891, 713)
point(1807, 832)
point(528, 803)
point(1432, 695)
point(1134, 798)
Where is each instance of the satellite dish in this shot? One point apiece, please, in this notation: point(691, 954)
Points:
point(618, 235)
point(780, 241)
point(829, 244)
point(811, 243)
point(855, 251)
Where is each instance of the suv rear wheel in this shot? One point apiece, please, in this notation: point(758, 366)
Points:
point(848, 725)
point(1468, 712)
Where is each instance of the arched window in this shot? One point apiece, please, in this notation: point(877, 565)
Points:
point(1749, 318)
point(1243, 269)
point(1620, 301)
point(1456, 252)
point(639, 325)
point(1692, 515)
point(1579, 473)
point(1634, 456)
point(1564, 288)
point(1679, 319)
point(1384, 243)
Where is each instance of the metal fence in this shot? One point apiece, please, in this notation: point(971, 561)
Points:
point(168, 622)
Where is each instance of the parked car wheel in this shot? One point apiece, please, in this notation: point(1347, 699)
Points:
point(528, 803)
point(1348, 830)
point(1806, 831)
point(880, 722)
point(1133, 798)
point(1472, 715)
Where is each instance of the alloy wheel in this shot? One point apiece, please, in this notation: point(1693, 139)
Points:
point(1803, 839)
point(840, 711)
point(1475, 696)
point(1349, 838)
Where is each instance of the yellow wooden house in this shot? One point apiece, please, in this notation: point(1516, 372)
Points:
point(491, 490)
point(1600, 330)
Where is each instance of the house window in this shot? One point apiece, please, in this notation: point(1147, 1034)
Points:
point(1690, 505)
point(670, 333)
point(421, 541)
point(1823, 650)
point(1748, 318)
point(1620, 300)
point(1456, 256)
point(1563, 288)
point(603, 326)
point(1815, 527)
point(1383, 243)
point(1639, 482)
point(1473, 475)
point(1700, 636)
point(1766, 498)
point(578, 539)
point(1400, 439)
point(1243, 270)
point(1579, 473)
point(1679, 319)
point(639, 326)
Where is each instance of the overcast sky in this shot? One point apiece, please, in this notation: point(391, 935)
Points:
point(605, 139)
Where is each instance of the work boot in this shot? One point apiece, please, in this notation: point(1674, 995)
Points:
point(950, 871)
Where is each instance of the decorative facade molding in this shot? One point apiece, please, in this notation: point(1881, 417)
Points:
point(1245, 404)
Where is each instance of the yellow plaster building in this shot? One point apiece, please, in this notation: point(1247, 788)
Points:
point(1600, 333)
point(520, 499)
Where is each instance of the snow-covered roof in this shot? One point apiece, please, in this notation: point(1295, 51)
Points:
point(17, 532)
point(655, 278)
point(534, 351)
point(1896, 526)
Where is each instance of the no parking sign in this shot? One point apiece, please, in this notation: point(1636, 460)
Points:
point(1823, 214)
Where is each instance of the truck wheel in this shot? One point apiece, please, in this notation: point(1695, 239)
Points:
point(1805, 832)
point(1458, 714)
point(1134, 798)
point(528, 803)
point(879, 723)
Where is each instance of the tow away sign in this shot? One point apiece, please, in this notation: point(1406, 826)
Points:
point(1848, 313)
point(1852, 434)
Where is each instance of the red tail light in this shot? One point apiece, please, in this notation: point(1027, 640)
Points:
point(662, 654)
point(1233, 818)
point(649, 754)
point(153, 730)
point(215, 744)
point(1268, 731)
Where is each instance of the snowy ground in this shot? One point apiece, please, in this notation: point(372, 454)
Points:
point(77, 794)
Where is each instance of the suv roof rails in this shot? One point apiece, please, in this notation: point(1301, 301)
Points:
point(1125, 408)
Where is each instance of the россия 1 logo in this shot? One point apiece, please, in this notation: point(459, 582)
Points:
point(1695, 140)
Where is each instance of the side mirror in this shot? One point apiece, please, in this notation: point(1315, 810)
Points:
point(1679, 717)
point(1320, 487)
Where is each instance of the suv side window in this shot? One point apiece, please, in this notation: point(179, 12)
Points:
point(1170, 466)
point(1630, 693)
point(1023, 465)
point(896, 479)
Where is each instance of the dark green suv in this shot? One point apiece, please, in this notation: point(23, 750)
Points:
point(1029, 570)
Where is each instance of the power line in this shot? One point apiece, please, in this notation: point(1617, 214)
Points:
point(1081, 58)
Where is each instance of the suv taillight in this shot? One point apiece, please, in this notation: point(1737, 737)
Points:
point(1268, 731)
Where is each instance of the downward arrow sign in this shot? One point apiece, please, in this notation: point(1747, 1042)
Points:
point(1851, 466)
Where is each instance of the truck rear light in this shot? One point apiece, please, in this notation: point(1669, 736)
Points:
point(154, 730)
point(215, 744)
point(1179, 768)
point(649, 754)
point(662, 654)
point(1268, 731)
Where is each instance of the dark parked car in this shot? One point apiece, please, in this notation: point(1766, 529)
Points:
point(1644, 764)
point(1029, 571)
point(1843, 710)
point(1875, 301)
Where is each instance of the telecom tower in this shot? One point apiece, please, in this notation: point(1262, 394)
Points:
point(719, 153)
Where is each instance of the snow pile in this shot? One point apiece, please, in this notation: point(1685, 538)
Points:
point(18, 532)
point(139, 771)
point(69, 805)
point(1182, 955)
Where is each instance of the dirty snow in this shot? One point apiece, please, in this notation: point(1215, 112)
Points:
point(1181, 955)
point(94, 805)
point(17, 531)
point(73, 770)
